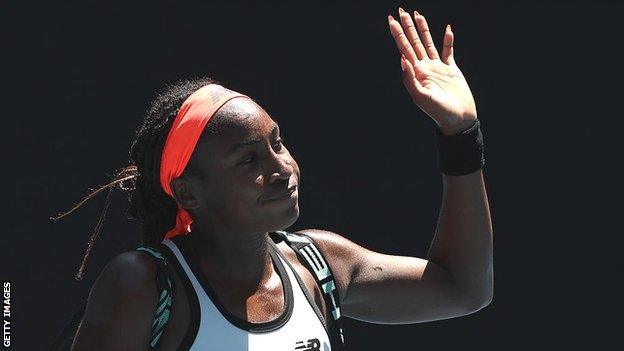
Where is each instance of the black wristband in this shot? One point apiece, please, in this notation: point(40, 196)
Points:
point(462, 153)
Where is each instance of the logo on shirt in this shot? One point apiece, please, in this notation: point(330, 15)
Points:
point(311, 345)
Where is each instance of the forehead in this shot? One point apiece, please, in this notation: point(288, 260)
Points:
point(238, 119)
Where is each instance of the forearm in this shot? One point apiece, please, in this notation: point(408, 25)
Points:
point(463, 239)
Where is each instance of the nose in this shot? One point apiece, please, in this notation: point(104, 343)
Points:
point(280, 168)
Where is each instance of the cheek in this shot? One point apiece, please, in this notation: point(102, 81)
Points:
point(246, 191)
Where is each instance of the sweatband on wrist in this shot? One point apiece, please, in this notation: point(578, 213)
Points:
point(462, 153)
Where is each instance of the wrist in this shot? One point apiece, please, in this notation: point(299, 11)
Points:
point(458, 128)
point(461, 153)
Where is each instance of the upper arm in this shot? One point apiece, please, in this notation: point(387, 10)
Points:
point(389, 289)
point(121, 306)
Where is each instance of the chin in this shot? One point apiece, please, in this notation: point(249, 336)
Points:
point(284, 219)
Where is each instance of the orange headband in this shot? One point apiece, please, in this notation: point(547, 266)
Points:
point(185, 131)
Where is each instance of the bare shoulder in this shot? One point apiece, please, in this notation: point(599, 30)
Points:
point(134, 271)
point(343, 255)
point(128, 276)
point(333, 243)
point(121, 304)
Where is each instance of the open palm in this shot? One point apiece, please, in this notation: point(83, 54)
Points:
point(434, 82)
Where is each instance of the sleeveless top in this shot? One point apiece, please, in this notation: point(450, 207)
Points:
point(300, 327)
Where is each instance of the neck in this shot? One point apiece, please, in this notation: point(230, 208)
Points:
point(237, 261)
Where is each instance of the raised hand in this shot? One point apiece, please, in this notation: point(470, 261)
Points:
point(434, 82)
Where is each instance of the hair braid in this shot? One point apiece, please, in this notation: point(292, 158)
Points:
point(141, 179)
point(148, 202)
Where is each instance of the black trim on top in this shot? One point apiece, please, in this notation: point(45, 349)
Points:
point(253, 327)
point(194, 308)
point(305, 291)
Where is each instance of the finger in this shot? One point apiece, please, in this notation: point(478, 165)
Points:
point(410, 81)
point(425, 36)
point(412, 34)
point(447, 50)
point(400, 39)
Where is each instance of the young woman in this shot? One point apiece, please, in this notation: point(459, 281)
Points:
point(215, 186)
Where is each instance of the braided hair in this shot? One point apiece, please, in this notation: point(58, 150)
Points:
point(141, 178)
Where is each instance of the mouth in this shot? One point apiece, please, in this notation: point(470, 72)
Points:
point(284, 195)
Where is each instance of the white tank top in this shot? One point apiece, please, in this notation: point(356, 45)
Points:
point(300, 327)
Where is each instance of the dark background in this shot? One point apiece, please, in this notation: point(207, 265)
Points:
point(546, 76)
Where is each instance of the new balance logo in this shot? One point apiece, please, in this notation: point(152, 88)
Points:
point(311, 345)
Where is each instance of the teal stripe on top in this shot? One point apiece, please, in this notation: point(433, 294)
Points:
point(164, 283)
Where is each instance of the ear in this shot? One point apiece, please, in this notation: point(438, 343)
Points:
point(182, 193)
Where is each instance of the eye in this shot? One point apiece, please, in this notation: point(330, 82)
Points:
point(248, 160)
point(279, 142)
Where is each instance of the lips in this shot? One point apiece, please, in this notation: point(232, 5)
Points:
point(282, 194)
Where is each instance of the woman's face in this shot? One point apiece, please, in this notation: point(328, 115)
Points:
point(238, 170)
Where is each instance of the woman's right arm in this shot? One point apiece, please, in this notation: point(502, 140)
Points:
point(121, 306)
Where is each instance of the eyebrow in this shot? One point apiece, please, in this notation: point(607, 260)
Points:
point(249, 141)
